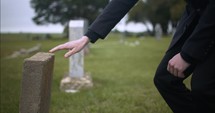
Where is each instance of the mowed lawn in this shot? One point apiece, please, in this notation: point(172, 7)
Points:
point(122, 75)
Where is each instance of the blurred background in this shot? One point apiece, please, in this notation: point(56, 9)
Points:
point(48, 16)
point(122, 66)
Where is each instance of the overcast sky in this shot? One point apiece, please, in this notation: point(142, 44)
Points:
point(16, 16)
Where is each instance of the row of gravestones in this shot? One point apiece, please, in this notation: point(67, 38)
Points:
point(38, 71)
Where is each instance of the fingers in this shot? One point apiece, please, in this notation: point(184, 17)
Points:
point(175, 71)
point(181, 74)
point(64, 46)
point(60, 47)
point(177, 65)
point(70, 53)
point(73, 46)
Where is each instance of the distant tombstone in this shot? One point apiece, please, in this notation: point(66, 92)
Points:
point(36, 83)
point(76, 79)
point(158, 31)
point(76, 64)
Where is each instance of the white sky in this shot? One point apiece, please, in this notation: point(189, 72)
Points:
point(16, 16)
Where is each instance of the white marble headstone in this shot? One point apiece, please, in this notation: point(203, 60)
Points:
point(76, 63)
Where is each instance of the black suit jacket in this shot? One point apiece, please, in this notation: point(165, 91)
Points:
point(198, 45)
point(202, 40)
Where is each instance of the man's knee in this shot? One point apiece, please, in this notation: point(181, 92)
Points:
point(157, 81)
point(164, 80)
point(161, 80)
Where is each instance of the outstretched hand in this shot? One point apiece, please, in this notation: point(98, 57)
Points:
point(177, 66)
point(72, 46)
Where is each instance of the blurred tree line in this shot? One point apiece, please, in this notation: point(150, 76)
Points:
point(158, 11)
point(61, 11)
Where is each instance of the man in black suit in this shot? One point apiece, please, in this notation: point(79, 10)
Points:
point(192, 51)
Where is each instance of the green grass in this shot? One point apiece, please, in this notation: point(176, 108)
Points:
point(122, 76)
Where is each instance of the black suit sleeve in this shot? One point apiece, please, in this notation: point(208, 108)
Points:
point(202, 40)
point(110, 16)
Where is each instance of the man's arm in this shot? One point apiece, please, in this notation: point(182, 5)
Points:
point(202, 40)
point(199, 44)
point(103, 24)
point(110, 16)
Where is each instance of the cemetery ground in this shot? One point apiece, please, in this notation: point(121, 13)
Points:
point(122, 75)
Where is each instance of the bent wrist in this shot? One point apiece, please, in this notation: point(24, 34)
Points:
point(85, 39)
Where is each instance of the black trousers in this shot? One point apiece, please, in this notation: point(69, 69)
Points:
point(201, 97)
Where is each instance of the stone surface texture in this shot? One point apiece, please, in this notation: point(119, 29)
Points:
point(74, 84)
point(36, 83)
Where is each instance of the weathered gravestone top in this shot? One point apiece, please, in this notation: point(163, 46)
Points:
point(36, 83)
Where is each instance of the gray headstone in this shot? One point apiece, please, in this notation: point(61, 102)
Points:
point(76, 64)
point(158, 31)
point(77, 79)
point(36, 83)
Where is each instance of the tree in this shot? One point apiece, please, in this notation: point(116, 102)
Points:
point(138, 12)
point(61, 11)
point(157, 11)
point(176, 10)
